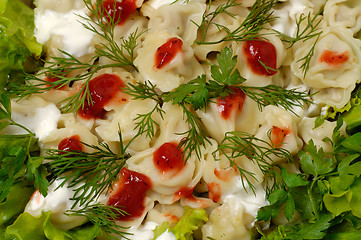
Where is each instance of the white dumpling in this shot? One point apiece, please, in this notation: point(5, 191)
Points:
point(279, 128)
point(181, 69)
point(344, 13)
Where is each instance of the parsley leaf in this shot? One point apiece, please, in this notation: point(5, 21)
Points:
point(314, 161)
point(19, 155)
point(224, 72)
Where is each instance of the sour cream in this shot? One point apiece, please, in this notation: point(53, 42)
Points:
point(76, 39)
point(41, 121)
point(145, 232)
point(287, 15)
point(245, 197)
point(58, 201)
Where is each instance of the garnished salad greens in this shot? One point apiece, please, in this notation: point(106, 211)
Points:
point(321, 201)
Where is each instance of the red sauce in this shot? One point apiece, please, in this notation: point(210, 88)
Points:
point(117, 12)
point(171, 218)
point(214, 191)
point(167, 52)
point(233, 102)
point(278, 135)
point(186, 192)
point(168, 157)
point(226, 174)
point(258, 52)
point(54, 79)
point(130, 194)
point(71, 143)
point(102, 90)
point(333, 58)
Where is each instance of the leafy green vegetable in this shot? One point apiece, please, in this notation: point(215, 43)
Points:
point(17, 43)
point(18, 155)
point(327, 193)
point(15, 202)
point(199, 91)
point(191, 220)
point(27, 227)
point(314, 161)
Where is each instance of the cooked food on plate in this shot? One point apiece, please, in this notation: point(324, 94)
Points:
point(180, 119)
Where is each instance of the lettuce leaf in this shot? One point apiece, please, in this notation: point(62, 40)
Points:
point(27, 227)
point(15, 203)
point(18, 47)
point(191, 220)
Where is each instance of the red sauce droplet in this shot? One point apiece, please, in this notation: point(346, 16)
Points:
point(53, 79)
point(278, 136)
point(167, 52)
point(261, 56)
point(102, 90)
point(225, 174)
point(72, 143)
point(130, 194)
point(214, 191)
point(333, 58)
point(186, 192)
point(168, 157)
point(233, 101)
point(117, 12)
point(171, 218)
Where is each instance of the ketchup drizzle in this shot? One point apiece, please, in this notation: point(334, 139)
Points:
point(130, 194)
point(214, 191)
point(71, 143)
point(278, 135)
point(168, 157)
point(117, 12)
point(167, 52)
point(233, 101)
point(257, 51)
point(333, 58)
point(102, 90)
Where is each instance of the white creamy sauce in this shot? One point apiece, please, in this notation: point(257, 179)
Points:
point(251, 202)
point(75, 38)
point(166, 236)
point(58, 201)
point(158, 3)
point(287, 15)
point(41, 121)
point(145, 232)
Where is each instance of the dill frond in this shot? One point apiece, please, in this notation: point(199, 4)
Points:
point(104, 217)
point(260, 14)
point(89, 173)
point(237, 144)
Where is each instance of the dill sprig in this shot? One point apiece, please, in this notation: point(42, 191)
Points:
point(144, 122)
point(260, 14)
point(89, 173)
point(104, 217)
point(307, 29)
point(277, 96)
point(60, 68)
point(199, 92)
point(124, 54)
point(195, 137)
point(262, 152)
